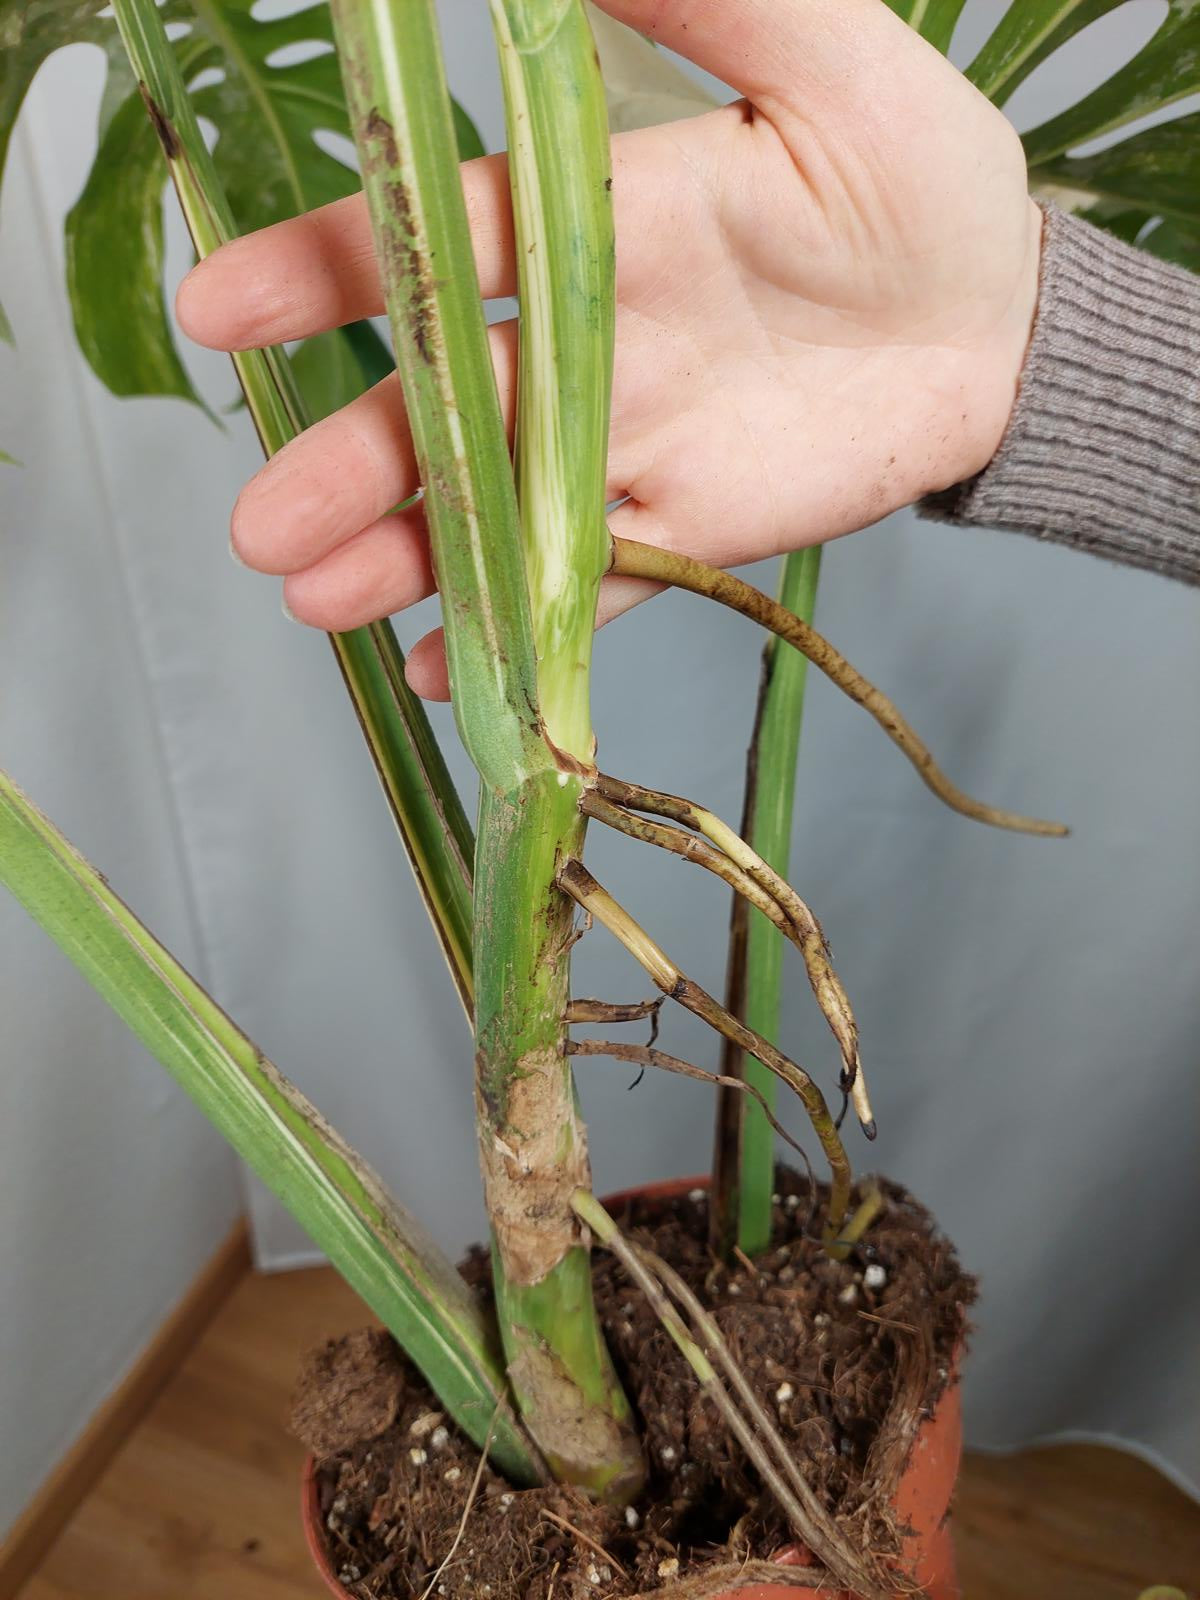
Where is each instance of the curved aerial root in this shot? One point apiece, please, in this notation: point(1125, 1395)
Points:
point(575, 879)
point(645, 1055)
point(635, 560)
point(727, 854)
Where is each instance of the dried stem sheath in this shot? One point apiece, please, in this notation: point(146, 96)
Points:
point(635, 560)
point(584, 889)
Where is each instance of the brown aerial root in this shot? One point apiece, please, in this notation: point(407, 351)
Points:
point(644, 1055)
point(575, 879)
point(721, 850)
point(635, 560)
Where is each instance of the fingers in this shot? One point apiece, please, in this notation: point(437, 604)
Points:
point(319, 271)
point(426, 669)
point(342, 474)
point(378, 572)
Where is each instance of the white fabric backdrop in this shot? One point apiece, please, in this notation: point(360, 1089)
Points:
point(1028, 1008)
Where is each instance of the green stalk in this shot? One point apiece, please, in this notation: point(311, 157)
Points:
point(416, 781)
point(532, 1145)
point(341, 1204)
point(560, 174)
point(744, 1174)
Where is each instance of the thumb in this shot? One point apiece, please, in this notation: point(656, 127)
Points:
point(770, 49)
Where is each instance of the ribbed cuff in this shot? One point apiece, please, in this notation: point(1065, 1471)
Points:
point(1103, 448)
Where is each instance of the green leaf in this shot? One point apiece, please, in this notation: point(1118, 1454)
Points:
point(335, 368)
point(1165, 70)
point(31, 31)
point(337, 1199)
point(422, 797)
point(466, 135)
point(267, 116)
point(1171, 241)
point(6, 333)
point(933, 19)
point(1029, 31)
point(114, 237)
point(1154, 174)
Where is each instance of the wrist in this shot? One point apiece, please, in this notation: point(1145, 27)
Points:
point(1002, 361)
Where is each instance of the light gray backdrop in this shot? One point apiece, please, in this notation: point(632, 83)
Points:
point(1028, 1007)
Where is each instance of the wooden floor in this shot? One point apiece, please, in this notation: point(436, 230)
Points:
point(202, 1501)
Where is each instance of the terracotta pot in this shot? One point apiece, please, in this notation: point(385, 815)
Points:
point(922, 1499)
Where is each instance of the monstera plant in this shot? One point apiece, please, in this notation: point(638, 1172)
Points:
point(520, 545)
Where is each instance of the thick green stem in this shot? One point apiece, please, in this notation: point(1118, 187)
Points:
point(411, 768)
point(744, 1166)
point(532, 1145)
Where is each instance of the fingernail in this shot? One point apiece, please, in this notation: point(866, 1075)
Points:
point(287, 610)
point(235, 558)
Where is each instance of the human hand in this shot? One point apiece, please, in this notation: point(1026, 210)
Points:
point(824, 297)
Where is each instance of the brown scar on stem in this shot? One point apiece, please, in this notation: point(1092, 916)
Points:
point(161, 123)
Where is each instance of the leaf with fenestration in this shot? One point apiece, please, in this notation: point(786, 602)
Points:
point(269, 87)
point(1028, 32)
point(267, 114)
point(114, 240)
point(1150, 177)
point(29, 33)
point(1164, 70)
point(1156, 173)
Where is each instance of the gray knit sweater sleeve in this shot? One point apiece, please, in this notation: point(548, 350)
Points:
point(1103, 448)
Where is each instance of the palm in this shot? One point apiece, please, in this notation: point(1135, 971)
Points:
point(770, 377)
point(824, 296)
